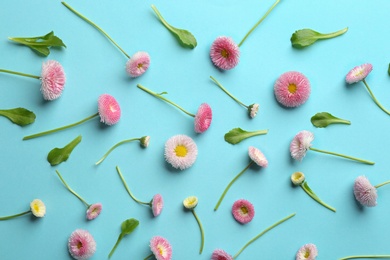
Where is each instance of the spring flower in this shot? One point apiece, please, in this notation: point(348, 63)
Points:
point(292, 89)
point(52, 79)
point(256, 157)
point(93, 210)
point(81, 244)
point(136, 65)
point(108, 111)
point(203, 117)
point(190, 203)
point(243, 211)
point(225, 53)
point(37, 208)
point(298, 179)
point(365, 192)
point(144, 141)
point(220, 254)
point(307, 252)
point(301, 143)
point(181, 151)
point(161, 248)
point(156, 204)
point(251, 109)
point(359, 73)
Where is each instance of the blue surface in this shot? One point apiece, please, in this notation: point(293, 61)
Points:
point(94, 66)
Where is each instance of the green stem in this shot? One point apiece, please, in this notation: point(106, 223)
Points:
point(262, 233)
point(16, 215)
point(230, 184)
point(149, 256)
point(227, 92)
point(163, 98)
point(167, 25)
point(307, 189)
point(97, 27)
point(71, 190)
point(365, 256)
point(382, 184)
point(342, 155)
point(128, 190)
point(115, 146)
point(60, 128)
point(201, 231)
point(261, 19)
point(334, 34)
point(116, 245)
point(374, 98)
point(20, 74)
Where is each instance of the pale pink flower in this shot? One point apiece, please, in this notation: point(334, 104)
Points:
point(81, 244)
point(257, 156)
point(161, 248)
point(94, 210)
point(292, 89)
point(307, 252)
point(300, 144)
point(243, 211)
point(365, 192)
point(181, 151)
point(224, 53)
point(157, 204)
point(52, 80)
point(253, 109)
point(358, 73)
point(219, 254)
point(109, 110)
point(203, 118)
point(138, 64)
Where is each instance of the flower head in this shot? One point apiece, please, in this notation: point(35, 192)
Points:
point(297, 178)
point(365, 192)
point(253, 109)
point(38, 208)
point(300, 144)
point(81, 244)
point(307, 252)
point(94, 210)
point(181, 151)
point(145, 141)
point(190, 202)
point(219, 254)
point(109, 109)
point(257, 156)
point(157, 204)
point(358, 73)
point(292, 89)
point(161, 248)
point(243, 211)
point(224, 53)
point(52, 80)
point(138, 64)
point(203, 118)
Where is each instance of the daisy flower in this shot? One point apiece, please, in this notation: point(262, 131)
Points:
point(243, 211)
point(225, 53)
point(37, 208)
point(156, 204)
point(359, 73)
point(108, 111)
point(256, 157)
point(307, 252)
point(52, 79)
point(365, 192)
point(220, 254)
point(301, 143)
point(81, 244)
point(251, 109)
point(181, 152)
point(203, 117)
point(190, 203)
point(93, 210)
point(292, 89)
point(161, 248)
point(136, 65)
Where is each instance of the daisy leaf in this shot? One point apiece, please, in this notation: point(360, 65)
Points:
point(324, 119)
point(127, 227)
point(19, 116)
point(306, 37)
point(59, 155)
point(236, 135)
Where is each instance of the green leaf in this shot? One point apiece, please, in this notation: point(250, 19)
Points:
point(127, 227)
point(236, 135)
point(59, 155)
point(388, 70)
point(305, 37)
point(184, 37)
point(19, 116)
point(324, 119)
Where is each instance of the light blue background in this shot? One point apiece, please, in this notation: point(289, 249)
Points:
point(94, 66)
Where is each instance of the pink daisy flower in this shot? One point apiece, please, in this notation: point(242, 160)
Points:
point(365, 192)
point(253, 109)
point(52, 80)
point(292, 89)
point(161, 248)
point(219, 254)
point(203, 118)
point(243, 211)
point(138, 64)
point(307, 252)
point(81, 244)
point(181, 151)
point(94, 210)
point(109, 110)
point(358, 73)
point(225, 53)
point(257, 156)
point(157, 204)
point(300, 144)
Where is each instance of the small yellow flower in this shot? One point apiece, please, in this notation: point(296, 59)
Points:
point(38, 208)
point(190, 202)
point(297, 178)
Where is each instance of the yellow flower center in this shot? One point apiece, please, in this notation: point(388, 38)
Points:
point(139, 65)
point(36, 208)
point(181, 151)
point(244, 210)
point(79, 245)
point(292, 88)
point(307, 254)
point(161, 250)
point(224, 54)
point(297, 176)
